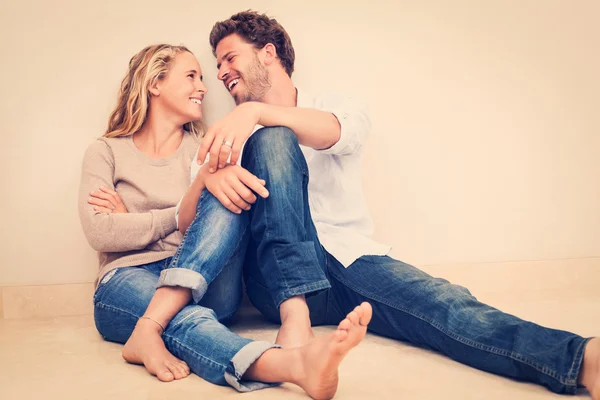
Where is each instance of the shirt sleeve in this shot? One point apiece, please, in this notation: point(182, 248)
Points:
point(194, 169)
point(353, 116)
point(116, 232)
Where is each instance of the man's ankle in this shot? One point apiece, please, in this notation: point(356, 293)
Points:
point(294, 307)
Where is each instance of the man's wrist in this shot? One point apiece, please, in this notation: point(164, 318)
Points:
point(257, 109)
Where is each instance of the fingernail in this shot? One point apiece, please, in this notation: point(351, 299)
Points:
point(211, 170)
point(265, 193)
point(221, 165)
point(239, 211)
point(90, 199)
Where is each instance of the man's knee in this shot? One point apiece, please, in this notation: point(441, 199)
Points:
point(275, 149)
point(272, 143)
point(273, 137)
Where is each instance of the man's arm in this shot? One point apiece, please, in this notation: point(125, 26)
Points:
point(336, 125)
point(314, 128)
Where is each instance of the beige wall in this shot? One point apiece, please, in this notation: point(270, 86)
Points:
point(486, 117)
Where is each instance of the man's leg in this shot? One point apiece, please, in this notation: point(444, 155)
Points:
point(284, 247)
point(412, 306)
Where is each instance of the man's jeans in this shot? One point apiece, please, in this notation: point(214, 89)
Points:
point(285, 259)
point(195, 335)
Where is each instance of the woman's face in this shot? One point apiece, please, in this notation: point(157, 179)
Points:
point(182, 91)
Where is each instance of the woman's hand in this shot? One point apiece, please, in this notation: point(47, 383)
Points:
point(233, 186)
point(107, 201)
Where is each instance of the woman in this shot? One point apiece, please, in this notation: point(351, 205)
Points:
point(132, 179)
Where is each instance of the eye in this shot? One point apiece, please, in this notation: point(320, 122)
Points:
point(201, 78)
point(191, 76)
point(230, 59)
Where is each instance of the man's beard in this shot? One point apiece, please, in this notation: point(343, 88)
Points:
point(257, 83)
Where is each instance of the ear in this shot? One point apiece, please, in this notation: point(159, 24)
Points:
point(154, 88)
point(270, 53)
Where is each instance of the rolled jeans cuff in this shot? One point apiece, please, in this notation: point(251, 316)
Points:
point(307, 289)
point(185, 278)
point(240, 363)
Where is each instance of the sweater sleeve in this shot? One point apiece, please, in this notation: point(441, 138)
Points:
point(116, 232)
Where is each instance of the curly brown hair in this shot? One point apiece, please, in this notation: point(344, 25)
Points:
point(258, 30)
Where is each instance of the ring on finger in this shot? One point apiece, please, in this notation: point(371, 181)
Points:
point(228, 143)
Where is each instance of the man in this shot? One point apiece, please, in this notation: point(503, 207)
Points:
point(311, 258)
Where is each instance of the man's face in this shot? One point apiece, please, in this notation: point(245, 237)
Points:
point(241, 69)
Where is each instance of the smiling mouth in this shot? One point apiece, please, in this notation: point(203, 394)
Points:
point(232, 84)
point(196, 101)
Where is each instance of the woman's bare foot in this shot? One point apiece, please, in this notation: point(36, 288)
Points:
point(317, 369)
point(295, 328)
point(146, 347)
point(590, 371)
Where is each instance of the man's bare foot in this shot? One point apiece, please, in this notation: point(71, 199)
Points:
point(146, 347)
point(295, 331)
point(318, 361)
point(295, 328)
point(590, 371)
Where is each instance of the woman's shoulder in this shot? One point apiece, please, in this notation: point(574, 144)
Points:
point(104, 148)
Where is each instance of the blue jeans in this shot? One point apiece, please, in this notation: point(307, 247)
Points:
point(285, 258)
point(196, 334)
point(212, 238)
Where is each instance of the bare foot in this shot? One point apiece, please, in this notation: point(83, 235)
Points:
point(146, 347)
point(294, 332)
point(295, 328)
point(317, 370)
point(590, 371)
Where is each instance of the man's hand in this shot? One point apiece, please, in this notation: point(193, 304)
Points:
point(107, 201)
point(233, 186)
point(227, 136)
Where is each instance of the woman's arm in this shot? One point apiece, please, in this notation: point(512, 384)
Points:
point(187, 208)
point(116, 232)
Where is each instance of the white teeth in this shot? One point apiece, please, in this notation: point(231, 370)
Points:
point(196, 101)
point(233, 83)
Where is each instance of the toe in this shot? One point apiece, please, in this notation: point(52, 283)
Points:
point(340, 335)
point(367, 313)
point(185, 367)
point(165, 375)
point(345, 324)
point(176, 370)
point(353, 317)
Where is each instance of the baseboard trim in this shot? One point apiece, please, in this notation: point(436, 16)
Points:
point(46, 301)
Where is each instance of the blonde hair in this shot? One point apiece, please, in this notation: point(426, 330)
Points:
point(145, 68)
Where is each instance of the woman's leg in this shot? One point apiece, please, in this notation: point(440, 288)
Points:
point(214, 352)
point(215, 240)
point(120, 300)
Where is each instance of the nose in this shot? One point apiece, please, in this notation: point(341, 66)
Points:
point(202, 88)
point(223, 72)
